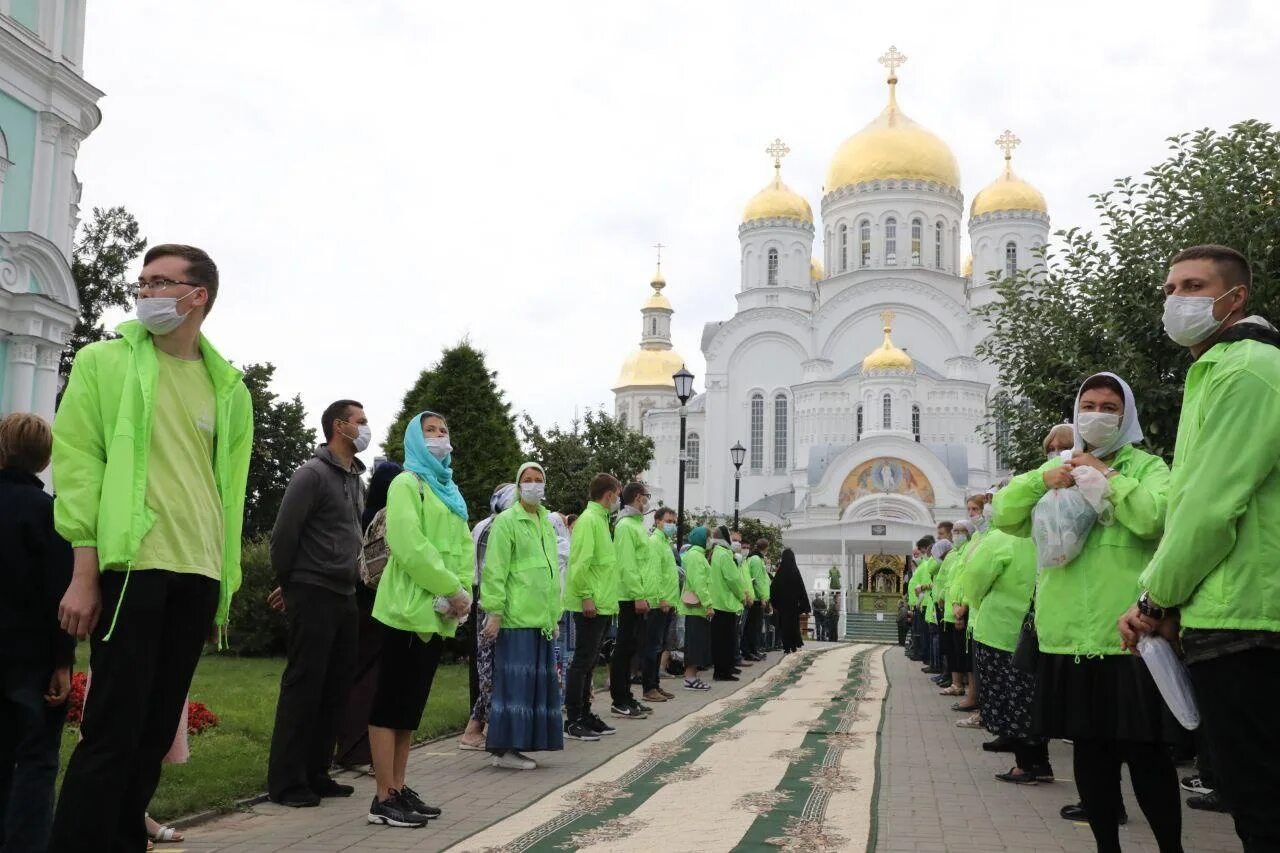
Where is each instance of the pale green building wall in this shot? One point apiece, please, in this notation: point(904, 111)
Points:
point(26, 12)
point(18, 121)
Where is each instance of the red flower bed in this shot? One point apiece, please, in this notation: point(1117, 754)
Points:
point(199, 717)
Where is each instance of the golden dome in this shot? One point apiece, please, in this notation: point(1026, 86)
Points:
point(656, 299)
point(815, 270)
point(887, 356)
point(892, 146)
point(649, 367)
point(1007, 192)
point(777, 200)
point(966, 271)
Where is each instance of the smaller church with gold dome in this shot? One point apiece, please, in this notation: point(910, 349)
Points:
point(848, 369)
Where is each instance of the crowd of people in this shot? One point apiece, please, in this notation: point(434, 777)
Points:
point(1034, 649)
point(140, 554)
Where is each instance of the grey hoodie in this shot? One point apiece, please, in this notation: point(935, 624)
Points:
point(317, 537)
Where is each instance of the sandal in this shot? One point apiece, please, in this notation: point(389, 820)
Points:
point(696, 684)
point(167, 834)
point(968, 709)
point(474, 747)
point(952, 691)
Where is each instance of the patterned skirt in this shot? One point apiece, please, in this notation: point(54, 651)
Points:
point(524, 711)
point(1008, 693)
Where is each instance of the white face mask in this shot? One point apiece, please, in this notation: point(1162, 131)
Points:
point(364, 435)
point(439, 446)
point(159, 314)
point(617, 504)
point(533, 493)
point(669, 529)
point(959, 539)
point(1097, 429)
point(1188, 320)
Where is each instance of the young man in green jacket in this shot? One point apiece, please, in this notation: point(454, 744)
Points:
point(1216, 573)
point(635, 583)
point(665, 596)
point(150, 460)
point(754, 623)
point(591, 594)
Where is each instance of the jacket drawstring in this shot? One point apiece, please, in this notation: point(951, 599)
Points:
point(115, 615)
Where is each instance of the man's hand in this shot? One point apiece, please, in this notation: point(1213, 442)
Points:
point(81, 604)
point(664, 606)
point(1059, 477)
point(748, 600)
point(711, 611)
point(588, 608)
point(492, 623)
point(59, 687)
point(960, 611)
point(642, 606)
point(275, 599)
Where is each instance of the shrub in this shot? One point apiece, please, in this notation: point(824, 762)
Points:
point(199, 717)
point(254, 629)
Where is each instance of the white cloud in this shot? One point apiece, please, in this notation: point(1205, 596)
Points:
point(378, 180)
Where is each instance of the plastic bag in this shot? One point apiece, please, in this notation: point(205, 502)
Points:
point(1171, 678)
point(1060, 524)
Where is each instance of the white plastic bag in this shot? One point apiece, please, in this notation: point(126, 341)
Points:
point(1060, 524)
point(1093, 485)
point(1171, 678)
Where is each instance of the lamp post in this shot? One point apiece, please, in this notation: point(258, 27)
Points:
point(738, 454)
point(684, 390)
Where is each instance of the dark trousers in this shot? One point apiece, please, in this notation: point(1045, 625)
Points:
point(1237, 695)
point(656, 624)
point(473, 648)
point(140, 682)
point(323, 631)
point(903, 627)
point(30, 734)
point(1032, 754)
point(353, 723)
point(1155, 783)
point(723, 627)
point(630, 630)
point(751, 627)
point(577, 689)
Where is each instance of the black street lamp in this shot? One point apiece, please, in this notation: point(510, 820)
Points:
point(684, 390)
point(738, 454)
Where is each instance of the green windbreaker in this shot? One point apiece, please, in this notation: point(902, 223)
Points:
point(521, 580)
point(759, 577)
point(666, 575)
point(697, 577)
point(636, 577)
point(999, 588)
point(593, 563)
point(727, 586)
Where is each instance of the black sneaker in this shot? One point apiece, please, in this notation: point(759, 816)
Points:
point(410, 798)
point(630, 711)
point(1076, 811)
point(327, 787)
point(298, 798)
point(395, 812)
point(597, 725)
point(1194, 785)
point(1211, 802)
point(725, 678)
point(641, 707)
point(579, 730)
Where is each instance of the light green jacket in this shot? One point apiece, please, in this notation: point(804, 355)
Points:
point(637, 579)
point(697, 577)
point(998, 588)
point(759, 577)
point(942, 580)
point(102, 445)
point(431, 555)
point(1077, 605)
point(593, 563)
point(666, 575)
point(727, 585)
point(924, 575)
point(521, 580)
point(1220, 557)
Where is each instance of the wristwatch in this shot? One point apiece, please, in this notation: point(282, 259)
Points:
point(1149, 608)
point(1109, 473)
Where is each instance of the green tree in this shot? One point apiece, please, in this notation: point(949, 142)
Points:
point(482, 429)
point(282, 442)
point(108, 244)
point(1096, 303)
point(598, 442)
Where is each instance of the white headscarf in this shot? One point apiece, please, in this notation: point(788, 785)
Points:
point(1130, 427)
point(940, 548)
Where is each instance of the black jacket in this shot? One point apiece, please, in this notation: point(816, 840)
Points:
point(35, 568)
point(318, 536)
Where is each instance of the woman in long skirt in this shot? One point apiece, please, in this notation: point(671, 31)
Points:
point(789, 600)
point(520, 594)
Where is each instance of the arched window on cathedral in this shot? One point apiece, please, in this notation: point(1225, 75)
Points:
point(1010, 259)
point(917, 241)
point(693, 448)
point(891, 242)
point(780, 433)
point(757, 432)
point(773, 266)
point(844, 247)
point(859, 434)
point(888, 411)
point(864, 244)
point(915, 421)
point(937, 246)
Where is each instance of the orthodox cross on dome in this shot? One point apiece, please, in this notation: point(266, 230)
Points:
point(658, 281)
point(777, 150)
point(893, 59)
point(1006, 142)
point(886, 317)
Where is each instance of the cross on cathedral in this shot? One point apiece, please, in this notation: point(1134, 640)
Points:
point(777, 150)
point(893, 59)
point(659, 247)
point(1007, 142)
point(886, 317)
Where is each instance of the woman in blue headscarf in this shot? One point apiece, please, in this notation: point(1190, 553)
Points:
point(421, 596)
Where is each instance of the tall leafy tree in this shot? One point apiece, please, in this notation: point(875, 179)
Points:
point(482, 428)
point(571, 457)
point(282, 442)
point(108, 243)
point(1096, 303)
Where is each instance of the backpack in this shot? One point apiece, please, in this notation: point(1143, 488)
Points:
point(375, 551)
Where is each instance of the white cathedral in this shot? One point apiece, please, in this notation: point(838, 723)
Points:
point(851, 381)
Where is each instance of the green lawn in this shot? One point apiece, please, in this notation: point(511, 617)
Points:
point(229, 762)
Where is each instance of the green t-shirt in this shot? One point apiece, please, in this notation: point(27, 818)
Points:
point(187, 534)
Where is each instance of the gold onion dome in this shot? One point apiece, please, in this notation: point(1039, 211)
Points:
point(655, 363)
point(887, 356)
point(777, 200)
point(966, 271)
point(656, 299)
point(1007, 192)
point(892, 147)
point(815, 270)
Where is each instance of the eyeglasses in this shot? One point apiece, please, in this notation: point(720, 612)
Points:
point(160, 284)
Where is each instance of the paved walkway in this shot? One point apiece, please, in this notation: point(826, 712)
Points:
point(952, 802)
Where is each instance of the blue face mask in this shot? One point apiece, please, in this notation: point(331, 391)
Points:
point(669, 529)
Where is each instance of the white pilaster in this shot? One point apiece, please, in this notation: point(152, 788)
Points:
point(20, 377)
point(43, 171)
point(44, 396)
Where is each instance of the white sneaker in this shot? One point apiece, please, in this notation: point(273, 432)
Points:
point(513, 761)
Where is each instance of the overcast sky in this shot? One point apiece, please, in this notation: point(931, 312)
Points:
point(378, 180)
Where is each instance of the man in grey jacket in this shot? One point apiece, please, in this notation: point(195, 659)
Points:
point(315, 552)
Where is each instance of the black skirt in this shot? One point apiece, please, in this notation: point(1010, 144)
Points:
point(405, 673)
point(961, 660)
point(1109, 698)
point(697, 641)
